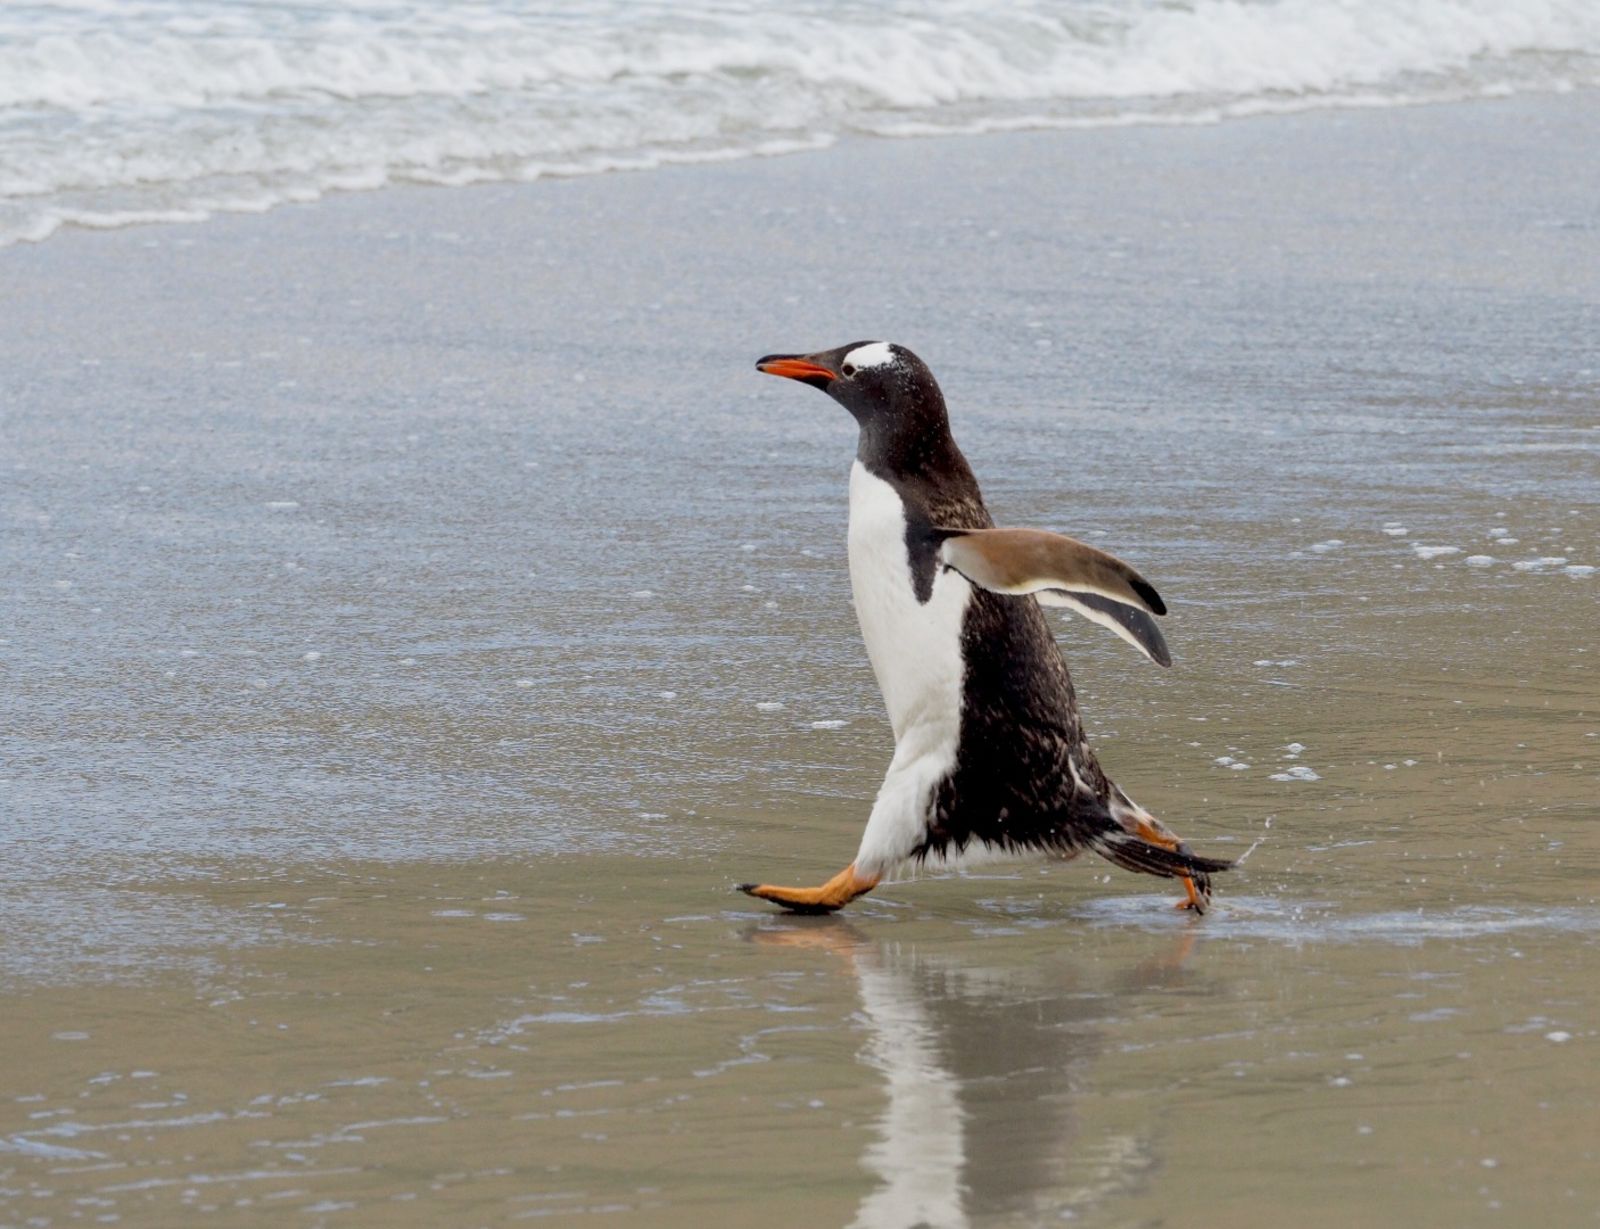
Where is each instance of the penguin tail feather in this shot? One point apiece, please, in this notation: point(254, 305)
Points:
point(1134, 853)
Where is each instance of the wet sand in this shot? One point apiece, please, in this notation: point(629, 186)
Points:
point(418, 615)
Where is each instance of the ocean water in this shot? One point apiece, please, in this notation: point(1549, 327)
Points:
point(116, 113)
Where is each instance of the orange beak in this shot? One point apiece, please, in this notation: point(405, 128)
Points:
point(793, 368)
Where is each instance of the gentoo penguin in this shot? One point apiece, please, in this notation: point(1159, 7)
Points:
point(990, 756)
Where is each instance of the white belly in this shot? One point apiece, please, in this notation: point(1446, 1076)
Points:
point(915, 647)
point(915, 650)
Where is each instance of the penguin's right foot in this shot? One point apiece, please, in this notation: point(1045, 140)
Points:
point(1196, 900)
point(1197, 893)
point(835, 894)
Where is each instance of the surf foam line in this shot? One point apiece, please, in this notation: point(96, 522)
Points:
point(114, 114)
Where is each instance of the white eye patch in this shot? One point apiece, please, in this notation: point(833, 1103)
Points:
point(873, 354)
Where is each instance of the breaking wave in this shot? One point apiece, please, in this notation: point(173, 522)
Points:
point(114, 113)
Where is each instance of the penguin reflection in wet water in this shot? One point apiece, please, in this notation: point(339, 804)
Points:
point(990, 756)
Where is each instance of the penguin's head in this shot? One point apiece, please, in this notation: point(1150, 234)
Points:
point(889, 390)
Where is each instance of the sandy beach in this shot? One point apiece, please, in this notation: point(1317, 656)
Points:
point(418, 614)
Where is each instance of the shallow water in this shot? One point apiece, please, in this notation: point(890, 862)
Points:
point(418, 615)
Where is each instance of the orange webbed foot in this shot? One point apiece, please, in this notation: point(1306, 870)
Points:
point(1196, 899)
point(1196, 896)
point(825, 898)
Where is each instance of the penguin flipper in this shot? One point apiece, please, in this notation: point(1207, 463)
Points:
point(1132, 624)
point(1019, 561)
point(1061, 571)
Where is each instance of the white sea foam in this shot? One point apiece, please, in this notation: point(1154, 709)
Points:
point(171, 110)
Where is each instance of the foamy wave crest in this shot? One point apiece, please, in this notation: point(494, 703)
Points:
point(113, 112)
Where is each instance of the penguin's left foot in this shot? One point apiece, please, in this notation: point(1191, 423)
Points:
point(835, 894)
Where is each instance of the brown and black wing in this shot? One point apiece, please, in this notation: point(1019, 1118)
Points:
point(1061, 571)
